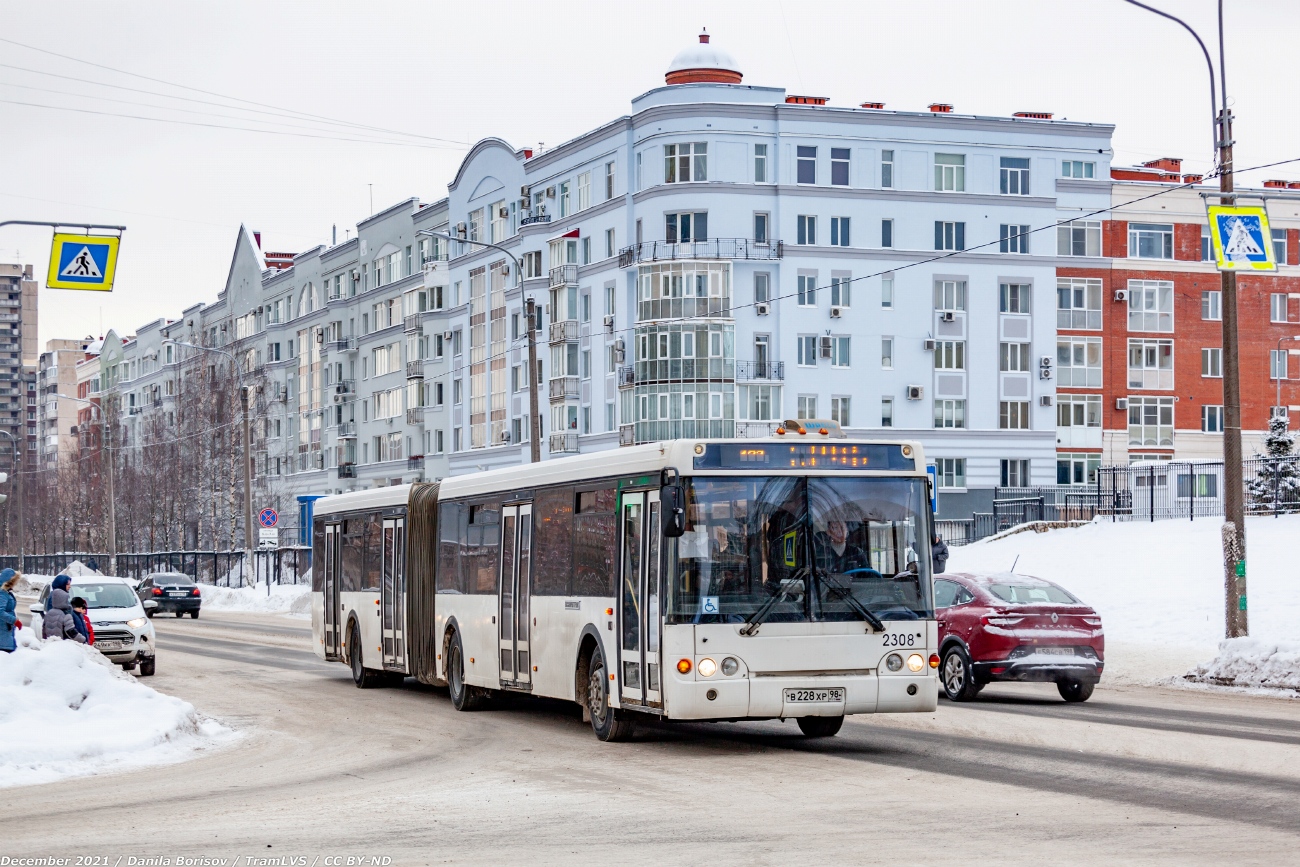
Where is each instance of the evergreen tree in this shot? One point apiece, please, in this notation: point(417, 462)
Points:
point(1276, 487)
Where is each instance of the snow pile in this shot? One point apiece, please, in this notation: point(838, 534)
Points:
point(65, 711)
point(1157, 586)
point(291, 599)
point(1252, 662)
point(34, 583)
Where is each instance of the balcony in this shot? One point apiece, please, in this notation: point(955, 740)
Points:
point(565, 388)
point(415, 415)
point(415, 369)
point(343, 344)
point(626, 376)
point(411, 323)
point(563, 275)
point(344, 386)
point(627, 435)
point(564, 443)
point(415, 462)
point(347, 471)
point(747, 371)
point(535, 218)
point(347, 430)
point(718, 248)
point(563, 330)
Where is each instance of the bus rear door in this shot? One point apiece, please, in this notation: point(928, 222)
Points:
point(514, 608)
point(330, 585)
point(393, 604)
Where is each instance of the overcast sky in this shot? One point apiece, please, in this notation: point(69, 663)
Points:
point(528, 72)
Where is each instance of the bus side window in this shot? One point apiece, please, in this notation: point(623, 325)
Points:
point(451, 523)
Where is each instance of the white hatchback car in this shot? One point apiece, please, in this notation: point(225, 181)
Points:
point(123, 632)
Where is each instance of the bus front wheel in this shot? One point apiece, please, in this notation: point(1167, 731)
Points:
point(608, 723)
point(820, 726)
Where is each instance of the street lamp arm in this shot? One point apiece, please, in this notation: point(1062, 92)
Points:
point(447, 237)
point(1214, 102)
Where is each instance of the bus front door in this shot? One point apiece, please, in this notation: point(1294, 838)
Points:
point(330, 586)
point(514, 611)
point(639, 621)
point(392, 605)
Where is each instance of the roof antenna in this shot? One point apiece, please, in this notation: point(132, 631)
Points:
point(1014, 562)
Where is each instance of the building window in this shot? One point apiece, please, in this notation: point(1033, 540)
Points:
point(1014, 297)
point(1078, 362)
point(807, 290)
point(760, 163)
point(950, 413)
point(686, 162)
point(1015, 473)
point(566, 199)
point(1151, 305)
point(762, 287)
point(949, 236)
point(637, 171)
point(806, 168)
point(886, 412)
point(807, 229)
point(950, 472)
point(886, 168)
point(840, 290)
point(949, 172)
point(1277, 307)
point(760, 228)
point(1014, 176)
point(1013, 415)
point(1279, 244)
point(1079, 238)
point(1212, 305)
point(887, 353)
point(1212, 419)
point(840, 352)
point(1078, 169)
point(1207, 246)
point(886, 233)
point(840, 169)
point(1013, 238)
point(807, 350)
point(1078, 469)
point(949, 295)
point(839, 231)
point(840, 410)
point(1078, 410)
point(584, 191)
point(1277, 364)
point(1151, 421)
point(1150, 241)
point(1151, 364)
point(609, 180)
point(1212, 362)
point(807, 406)
point(1078, 303)
point(685, 227)
point(950, 355)
point(1013, 357)
point(887, 291)
point(609, 244)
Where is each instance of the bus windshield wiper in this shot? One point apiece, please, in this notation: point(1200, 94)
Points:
point(846, 594)
point(755, 620)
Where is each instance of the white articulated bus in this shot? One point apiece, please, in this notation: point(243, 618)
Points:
point(723, 580)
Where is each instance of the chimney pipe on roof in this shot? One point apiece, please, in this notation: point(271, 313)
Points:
point(872, 105)
point(1275, 184)
point(1034, 115)
point(940, 108)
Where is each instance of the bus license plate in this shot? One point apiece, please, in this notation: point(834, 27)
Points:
point(829, 695)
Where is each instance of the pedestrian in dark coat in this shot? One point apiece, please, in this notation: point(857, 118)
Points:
point(8, 610)
point(57, 620)
point(939, 554)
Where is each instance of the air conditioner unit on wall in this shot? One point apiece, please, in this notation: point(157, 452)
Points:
point(1121, 403)
point(525, 191)
point(928, 345)
point(503, 212)
point(825, 346)
point(461, 228)
point(836, 312)
point(550, 192)
point(915, 392)
point(1045, 361)
point(761, 308)
point(1121, 294)
point(947, 316)
point(609, 321)
point(1045, 400)
point(1045, 373)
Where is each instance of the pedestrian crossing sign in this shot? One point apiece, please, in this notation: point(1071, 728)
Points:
point(83, 262)
point(1241, 238)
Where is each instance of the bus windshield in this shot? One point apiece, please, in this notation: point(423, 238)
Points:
point(794, 549)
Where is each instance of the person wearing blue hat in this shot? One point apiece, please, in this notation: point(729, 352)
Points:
point(8, 609)
point(57, 620)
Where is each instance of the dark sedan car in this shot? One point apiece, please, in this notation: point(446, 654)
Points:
point(1007, 627)
point(173, 592)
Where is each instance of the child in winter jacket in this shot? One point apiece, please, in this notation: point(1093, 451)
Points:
point(80, 614)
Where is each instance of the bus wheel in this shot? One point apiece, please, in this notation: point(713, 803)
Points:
point(463, 696)
point(608, 723)
point(363, 677)
point(820, 726)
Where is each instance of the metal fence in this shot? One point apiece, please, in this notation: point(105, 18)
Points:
point(284, 565)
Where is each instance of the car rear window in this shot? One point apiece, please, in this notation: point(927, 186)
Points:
point(172, 579)
point(1030, 594)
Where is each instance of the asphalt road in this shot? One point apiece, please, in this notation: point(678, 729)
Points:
point(324, 769)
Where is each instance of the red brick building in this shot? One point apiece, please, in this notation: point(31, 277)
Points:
point(1139, 340)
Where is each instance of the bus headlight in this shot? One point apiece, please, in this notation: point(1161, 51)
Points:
point(893, 662)
point(915, 662)
point(730, 666)
point(707, 667)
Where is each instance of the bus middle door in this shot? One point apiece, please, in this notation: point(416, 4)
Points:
point(513, 608)
point(393, 602)
point(330, 586)
point(639, 599)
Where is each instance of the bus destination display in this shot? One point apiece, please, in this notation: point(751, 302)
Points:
point(804, 456)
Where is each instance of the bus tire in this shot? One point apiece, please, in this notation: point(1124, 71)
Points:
point(957, 676)
point(820, 726)
point(463, 696)
point(608, 723)
point(363, 677)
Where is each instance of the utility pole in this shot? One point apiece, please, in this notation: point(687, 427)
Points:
point(534, 420)
point(18, 503)
point(248, 487)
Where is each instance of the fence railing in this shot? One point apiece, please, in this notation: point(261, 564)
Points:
point(284, 565)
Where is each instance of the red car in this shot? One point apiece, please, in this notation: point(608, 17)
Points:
point(1006, 627)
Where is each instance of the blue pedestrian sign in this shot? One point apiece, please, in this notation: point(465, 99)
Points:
point(268, 517)
point(82, 262)
point(1242, 238)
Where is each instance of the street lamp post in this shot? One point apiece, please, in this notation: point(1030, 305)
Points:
point(18, 495)
point(108, 473)
point(534, 421)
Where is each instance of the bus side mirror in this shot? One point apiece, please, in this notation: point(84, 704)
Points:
point(672, 499)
